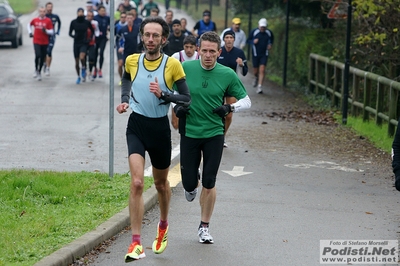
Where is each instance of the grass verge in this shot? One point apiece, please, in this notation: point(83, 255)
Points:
point(43, 211)
point(23, 6)
point(375, 134)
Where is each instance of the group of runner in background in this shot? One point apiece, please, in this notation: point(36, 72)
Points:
point(90, 31)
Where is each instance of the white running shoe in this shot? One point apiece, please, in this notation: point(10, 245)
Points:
point(259, 89)
point(35, 74)
point(47, 71)
point(204, 236)
point(39, 77)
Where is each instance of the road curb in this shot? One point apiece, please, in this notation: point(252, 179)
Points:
point(83, 245)
point(78, 248)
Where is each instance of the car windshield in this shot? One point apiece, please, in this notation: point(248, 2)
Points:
point(3, 11)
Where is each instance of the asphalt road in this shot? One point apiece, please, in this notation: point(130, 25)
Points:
point(275, 202)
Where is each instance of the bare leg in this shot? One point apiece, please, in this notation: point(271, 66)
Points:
point(255, 71)
point(164, 191)
point(261, 74)
point(48, 61)
point(207, 202)
point(136, 204)
point(82, 57)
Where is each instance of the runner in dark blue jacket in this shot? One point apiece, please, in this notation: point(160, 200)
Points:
point(235, 59)
point(104, 27)
point(129, 37)
point(261, 40)
point(204, 25)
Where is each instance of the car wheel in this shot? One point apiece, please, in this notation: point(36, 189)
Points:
point(20, 40)
point(14, 43)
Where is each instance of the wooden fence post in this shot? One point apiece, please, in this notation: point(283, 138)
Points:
point(380, 91)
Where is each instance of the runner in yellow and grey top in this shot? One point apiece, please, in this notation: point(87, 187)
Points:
point(167, 70)
point(147, 88)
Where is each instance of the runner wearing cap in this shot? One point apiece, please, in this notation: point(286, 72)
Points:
point(240, 36)
point(261, 40)
point(204, 25)
point(175, 40)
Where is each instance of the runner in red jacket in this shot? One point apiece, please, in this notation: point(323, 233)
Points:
point(43, 27)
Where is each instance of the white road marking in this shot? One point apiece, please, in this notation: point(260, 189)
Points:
point(325, 165)
point(237, 171)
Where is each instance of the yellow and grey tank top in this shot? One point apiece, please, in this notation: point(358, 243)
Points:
point(142, 101)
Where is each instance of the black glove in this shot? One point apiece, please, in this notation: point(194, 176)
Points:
point(181, 111)
point(30, 35)
point(44, 30)
point(223, 110)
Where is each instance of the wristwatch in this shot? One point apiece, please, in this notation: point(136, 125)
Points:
point(232, 108)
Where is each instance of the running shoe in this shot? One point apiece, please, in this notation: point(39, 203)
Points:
point(94, 73)
point(35, 74)
point(47, 71)
point(190, 196)
point(39, 76)
point(135, 252)
point(83, 74)
point(78, 80)
point(255, 82)
point(161, 241)
point(259, 89)
point(225, 145)
point(100, 73)
point(204, 236)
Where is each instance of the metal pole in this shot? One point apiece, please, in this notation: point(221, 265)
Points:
point(197, 5)
point(111, 115)
point(286, 44)
point(249, 44)
point(211, 6)
point(226, 13)
point(346, 66)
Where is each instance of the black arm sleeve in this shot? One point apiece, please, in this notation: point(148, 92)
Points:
point(71, 29)
point(183, 97)
point(125, 87)
point(58, 24)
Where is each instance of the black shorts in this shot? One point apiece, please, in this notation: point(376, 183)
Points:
point(260, 60)
point(52, 40)
point(79, 48)
point(190, 157)
point(152, 135)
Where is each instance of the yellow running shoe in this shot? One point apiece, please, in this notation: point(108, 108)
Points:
point(161, 241)
point(135, 252)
